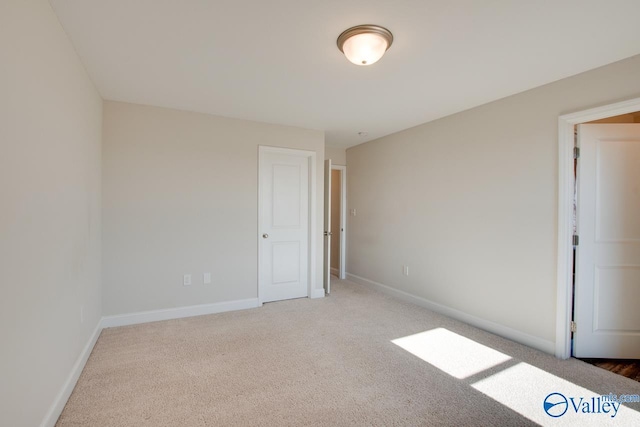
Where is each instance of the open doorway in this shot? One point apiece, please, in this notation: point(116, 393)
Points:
point(338, 220)
point(567, 234)
point(583, 179)
point(605, 260)
point(335, 206)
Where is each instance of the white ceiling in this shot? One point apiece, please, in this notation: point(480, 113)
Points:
point(276, 61)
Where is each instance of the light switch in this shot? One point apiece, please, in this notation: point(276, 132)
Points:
point(206, 278)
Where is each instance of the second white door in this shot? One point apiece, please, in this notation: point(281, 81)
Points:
point(608, 255)
point(283, 224)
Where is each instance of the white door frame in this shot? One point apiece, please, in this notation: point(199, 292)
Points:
point(566, 143)
point(311, 158)
point(343, 219)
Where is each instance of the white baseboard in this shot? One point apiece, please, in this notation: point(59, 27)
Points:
point(317, 293)
point(177, 313)
point(54, 412)
point(487, 325)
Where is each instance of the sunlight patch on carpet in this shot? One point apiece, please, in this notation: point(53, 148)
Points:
point(454, 354)
point(526, 389)
point(532, 392)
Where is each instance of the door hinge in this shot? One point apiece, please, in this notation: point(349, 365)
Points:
point(576, 240)
point(574, 327)
point(576, 152)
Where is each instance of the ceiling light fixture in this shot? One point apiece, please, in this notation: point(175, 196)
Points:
point(365, 44)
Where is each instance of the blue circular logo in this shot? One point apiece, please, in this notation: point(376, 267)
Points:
point(555, 405)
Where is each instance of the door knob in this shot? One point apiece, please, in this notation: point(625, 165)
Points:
point(265, 236)
point(327, 233)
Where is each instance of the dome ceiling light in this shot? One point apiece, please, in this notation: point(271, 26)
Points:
point(365, 44)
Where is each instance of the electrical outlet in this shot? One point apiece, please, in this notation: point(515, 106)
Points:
point(352, 212)
point(186, 280)
point(206, 278)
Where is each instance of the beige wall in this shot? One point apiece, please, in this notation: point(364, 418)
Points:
point(180, 196)
point(335, 218)
point(469, 202)
point(50, 134)
point(337, 155)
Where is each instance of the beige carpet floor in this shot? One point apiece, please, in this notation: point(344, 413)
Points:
point(329, 362)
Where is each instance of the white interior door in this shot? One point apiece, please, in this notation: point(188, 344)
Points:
point(283, 224)
point(608, 255)
point(327, 226)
